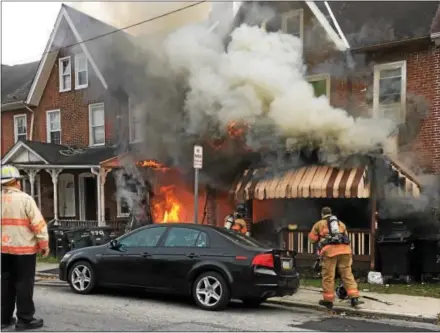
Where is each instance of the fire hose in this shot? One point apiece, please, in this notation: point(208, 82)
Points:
point(340, 291)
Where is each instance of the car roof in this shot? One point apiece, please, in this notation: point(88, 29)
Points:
point(181, 224)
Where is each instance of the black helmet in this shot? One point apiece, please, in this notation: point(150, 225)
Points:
point(240, 209)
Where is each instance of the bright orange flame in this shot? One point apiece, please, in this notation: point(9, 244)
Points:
point(153, 165)
point(166, 206)
point(235, 131)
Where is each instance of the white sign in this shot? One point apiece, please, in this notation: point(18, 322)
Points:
point(198, 157)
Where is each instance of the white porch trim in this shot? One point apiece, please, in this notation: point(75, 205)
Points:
point(19, 145)
point(54, 173)
point(49, 57)
point(46, 166)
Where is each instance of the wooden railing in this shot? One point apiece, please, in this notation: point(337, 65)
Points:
point(298, 241)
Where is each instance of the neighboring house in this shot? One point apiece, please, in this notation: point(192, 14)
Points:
point(62, 117)
point(374, 59)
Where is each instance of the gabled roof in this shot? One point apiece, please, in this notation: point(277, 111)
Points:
point(368, 23)
point(16, 81)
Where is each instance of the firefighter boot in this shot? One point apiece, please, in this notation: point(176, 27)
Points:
point(355, 302)
point(29, 325)
point(8, 323)
point(327, 304)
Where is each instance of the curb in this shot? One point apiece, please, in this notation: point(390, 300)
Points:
point(357, 312)
point(51, 283)
point(46, 275)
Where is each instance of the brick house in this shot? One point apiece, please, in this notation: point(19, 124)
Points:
point(65, 120)
point(374, 59)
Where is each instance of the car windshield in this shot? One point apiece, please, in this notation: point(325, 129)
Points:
point(240, 238)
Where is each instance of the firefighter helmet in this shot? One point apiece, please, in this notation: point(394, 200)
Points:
point(9, 173)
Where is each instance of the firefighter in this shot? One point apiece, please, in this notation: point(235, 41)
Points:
point(24, 233)
point(335, 252)
point(236, 220)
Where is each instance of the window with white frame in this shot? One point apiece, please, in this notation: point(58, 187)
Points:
point(320, 84)
point(389, 92)
point(292, 23)
point(96, 124)
point(53, 126)
point(26, 185)
point(123, 210)
point(20, 127)
point(65, 73)
point(135, 122)
point(81, 71)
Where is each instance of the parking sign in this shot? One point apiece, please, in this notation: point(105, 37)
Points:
point(198, 157)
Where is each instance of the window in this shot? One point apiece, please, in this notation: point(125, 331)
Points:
point(136, 122)
point(20, 127)
point(53, 126)
point(65, 74)
point(123, 209)
point(320, 84)
point(144, 238)
point(26, 185)
point(96, 124)
point(81, 72)
point(389, 93)
point(292, 23)
point(186, 237)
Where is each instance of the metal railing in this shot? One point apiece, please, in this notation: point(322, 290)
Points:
point(298, 241)
point(116, 225)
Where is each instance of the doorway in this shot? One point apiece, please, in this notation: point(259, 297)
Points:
point(88, 197)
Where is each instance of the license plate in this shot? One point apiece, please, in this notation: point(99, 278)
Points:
point(286, 264)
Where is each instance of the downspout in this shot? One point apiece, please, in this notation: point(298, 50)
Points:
point(31, 134)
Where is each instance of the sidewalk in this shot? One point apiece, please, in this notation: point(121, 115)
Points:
point(415, 308)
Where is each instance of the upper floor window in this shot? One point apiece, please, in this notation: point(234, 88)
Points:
point(53, 126)
point(96, 124)
point(65, 73)
point(292, 23)
point(320, 84)
point(389, 91)
point(135, 122)
point(20, 127)
point(81, 71)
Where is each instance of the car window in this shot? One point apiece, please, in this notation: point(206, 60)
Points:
point(185, 237)
point(144, 238)
point(239, 238)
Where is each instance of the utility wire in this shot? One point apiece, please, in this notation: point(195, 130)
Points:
point(129, 26)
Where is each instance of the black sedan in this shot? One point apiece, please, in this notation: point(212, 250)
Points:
point(209, 263)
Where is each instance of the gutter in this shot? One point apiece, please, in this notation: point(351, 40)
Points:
point(435, 37)
point(390, 44)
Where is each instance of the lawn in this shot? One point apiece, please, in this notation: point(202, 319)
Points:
point(47, 260)
point(416, 289)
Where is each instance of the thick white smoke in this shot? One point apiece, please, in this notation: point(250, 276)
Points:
point(261, 75)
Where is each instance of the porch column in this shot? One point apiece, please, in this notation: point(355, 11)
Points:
point(32, 173)
point(54, 173)
point(103, 175)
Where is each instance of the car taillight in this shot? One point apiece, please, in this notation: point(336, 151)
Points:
point(264, 259)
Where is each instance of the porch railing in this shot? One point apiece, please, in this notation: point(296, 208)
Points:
point(117, 226)
point(298, 241)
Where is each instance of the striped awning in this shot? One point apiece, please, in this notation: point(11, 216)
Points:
point(408, 182)
point(305, 182)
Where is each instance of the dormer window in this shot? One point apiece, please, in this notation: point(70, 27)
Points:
point(292, 23)
point(81, 71)
point(65, 73)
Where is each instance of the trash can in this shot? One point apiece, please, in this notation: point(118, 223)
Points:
point(396, 250)
point(61, 246)
point(427, 257)
point(78, 238)
point(101, 235)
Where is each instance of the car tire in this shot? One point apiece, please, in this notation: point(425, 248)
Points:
point(206, 287)
point(82, 278)
point(253, 302)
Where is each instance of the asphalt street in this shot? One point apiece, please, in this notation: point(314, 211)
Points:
point(107, 310)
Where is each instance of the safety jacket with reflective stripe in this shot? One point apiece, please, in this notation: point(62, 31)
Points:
point(24, 230)
point(318, 233)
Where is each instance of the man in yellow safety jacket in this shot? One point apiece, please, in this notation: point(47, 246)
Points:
point(24, 234)
point(335, 251)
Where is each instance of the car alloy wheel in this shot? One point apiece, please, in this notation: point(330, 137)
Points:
point(210, 291)
point(81, 278)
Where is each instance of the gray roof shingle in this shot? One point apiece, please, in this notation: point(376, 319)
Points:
point(17, 81)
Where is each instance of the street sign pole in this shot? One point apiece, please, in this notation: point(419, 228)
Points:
point(198, 164)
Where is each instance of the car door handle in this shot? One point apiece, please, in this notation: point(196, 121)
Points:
point(146, 255)
point(192, 255)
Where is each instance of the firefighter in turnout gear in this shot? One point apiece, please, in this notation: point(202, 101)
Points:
point(236, 220)
point(24, 234)
point(333, 245)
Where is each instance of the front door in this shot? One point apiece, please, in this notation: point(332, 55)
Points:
point(90, 199)
point(132, 263)
point(66, 195)
point(182, 248)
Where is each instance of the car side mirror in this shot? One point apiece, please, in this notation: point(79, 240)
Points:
point(114, 244)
